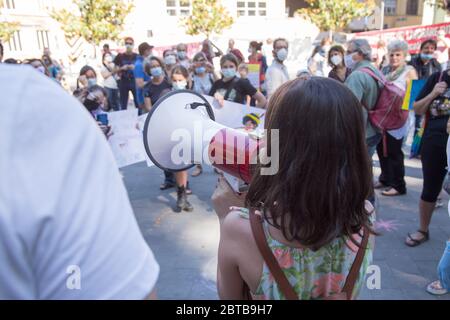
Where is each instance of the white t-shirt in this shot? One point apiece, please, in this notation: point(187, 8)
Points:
point(109, 82)
point(67, 229)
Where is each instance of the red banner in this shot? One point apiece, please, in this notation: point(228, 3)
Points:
point(192, 49)
point(413, 35)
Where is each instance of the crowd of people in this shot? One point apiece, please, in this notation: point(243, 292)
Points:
point(319, 111)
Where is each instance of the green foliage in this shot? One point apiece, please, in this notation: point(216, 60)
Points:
point(94, 20)
point(330, 15)
point(7, 29)
point(208, 17)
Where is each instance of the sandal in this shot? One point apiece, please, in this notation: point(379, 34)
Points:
point(197, 171)
point(435, 288)
point(166, 185)
point(416, 242)
point(391, 192)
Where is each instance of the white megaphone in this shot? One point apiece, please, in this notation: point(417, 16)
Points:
point(180, 131)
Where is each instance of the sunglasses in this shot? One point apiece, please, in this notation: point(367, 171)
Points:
point(129, 43)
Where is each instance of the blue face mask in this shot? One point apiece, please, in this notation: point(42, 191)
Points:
point(426, 56)
point(92, 82)
point(156, 72)
point(200, 70)
point(228, 72)
point(181, 55)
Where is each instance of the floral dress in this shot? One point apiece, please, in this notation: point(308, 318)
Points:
point(312, 274)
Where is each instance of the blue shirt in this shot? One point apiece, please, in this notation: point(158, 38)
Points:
point(139, 73)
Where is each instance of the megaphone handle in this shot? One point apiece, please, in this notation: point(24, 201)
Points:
point(195, 105)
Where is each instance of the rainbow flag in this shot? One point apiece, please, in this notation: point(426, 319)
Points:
point(412, 92)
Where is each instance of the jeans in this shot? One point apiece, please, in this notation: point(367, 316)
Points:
point(113, 98)
point(169, 177)
point(444, 268)
point(372, 143)
point(125, 87)
point(392, 166)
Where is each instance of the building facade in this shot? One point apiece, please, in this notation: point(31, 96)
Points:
point(158, 23)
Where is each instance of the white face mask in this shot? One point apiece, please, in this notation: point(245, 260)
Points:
point(349, 62)
point(336, 60)
point(282, 54)
point(179, 85)
point(170, 60)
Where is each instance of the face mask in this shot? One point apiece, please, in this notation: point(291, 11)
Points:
point(228, 72)
point(426, 56)
point(179, 85)
point(41, 69)
point(91, 105)
point(156, 72)
point(200, 70)
point(250, 50)
point(129, 47)
point(170, 60)
point(181, 55)
point(349, 62)
point(92, 82)
point(282, 54)
point(108, 59)
point(336, 60)
point(326, 48)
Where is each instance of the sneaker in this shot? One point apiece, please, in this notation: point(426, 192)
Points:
point(439, 203)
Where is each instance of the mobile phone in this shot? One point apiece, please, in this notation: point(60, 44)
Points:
point(103, 118)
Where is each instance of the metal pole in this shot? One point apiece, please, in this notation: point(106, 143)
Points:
point(382, 15)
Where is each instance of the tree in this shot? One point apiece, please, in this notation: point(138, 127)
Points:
point(208, 17)
point(94, 20)
point(330, 15)
point(7, 29)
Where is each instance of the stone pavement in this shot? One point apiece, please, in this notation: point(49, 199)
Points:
point(185, 244)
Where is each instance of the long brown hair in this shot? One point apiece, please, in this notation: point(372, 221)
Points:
point(324, 174)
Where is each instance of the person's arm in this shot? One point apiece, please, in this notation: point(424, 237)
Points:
point(421, 106)
point(261, 101)
point(355, 83)
point(229, 280)
point(148, 103)
point(230, 285)
point(139, 75)
point(429, 93)
point(105, 73)
point(117, 263)
point(411, 75)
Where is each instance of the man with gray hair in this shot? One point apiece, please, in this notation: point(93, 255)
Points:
point(363, 86)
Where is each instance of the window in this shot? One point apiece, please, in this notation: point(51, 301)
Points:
point(412, 7)
point(390, 7)
point(251, 8)
point(178, 7)
point(9, 4)
point(15, 43)
point(42, 38)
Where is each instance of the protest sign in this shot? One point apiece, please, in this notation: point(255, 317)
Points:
point(414, 36)
point(126, 140)
point(253, 74)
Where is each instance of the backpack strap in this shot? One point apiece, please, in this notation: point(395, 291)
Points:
point(278, 274)
point(380, 78)
point(261, 241)
point(356, 266)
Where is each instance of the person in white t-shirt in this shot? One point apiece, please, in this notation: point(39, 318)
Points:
point(67, 229)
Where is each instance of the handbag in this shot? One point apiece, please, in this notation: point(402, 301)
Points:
point(256, 222)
